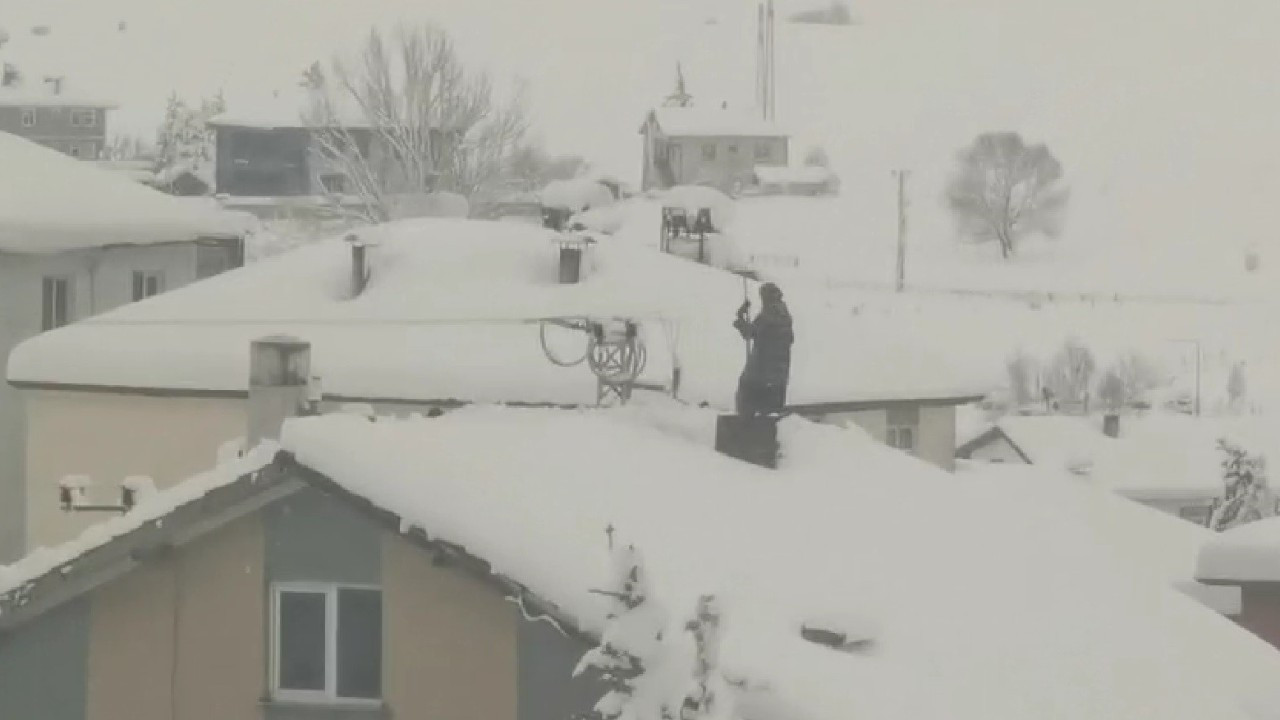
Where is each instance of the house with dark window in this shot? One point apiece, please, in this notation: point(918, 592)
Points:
point(269, 160)
point(47, 112)
point(77, 241)
point(1169, 462)
point(375, 567)
point(693, 145)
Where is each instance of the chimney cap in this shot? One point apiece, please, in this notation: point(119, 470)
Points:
point(283, 340)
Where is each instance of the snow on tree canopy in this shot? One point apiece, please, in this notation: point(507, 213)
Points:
point(1038, 619)
point(577, 195)
point(50, 202)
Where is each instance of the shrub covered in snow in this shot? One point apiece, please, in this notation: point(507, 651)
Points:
point(633, 658)
point(1246, 497)
point(577, 195)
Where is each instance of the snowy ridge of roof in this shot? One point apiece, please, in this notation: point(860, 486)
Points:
point(51, 203)
point(477, 287)
point(44, 96)
point(287, 109)
point(1038, 619)
point(1245, 553)
point(712, 122)
point(150, 506)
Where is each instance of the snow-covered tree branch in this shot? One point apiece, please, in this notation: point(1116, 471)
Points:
point(1005, 190)
point(407, 117)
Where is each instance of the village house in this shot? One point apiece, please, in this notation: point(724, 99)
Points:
point(429, 314)
point(1247, 558)
point(386, 568)
point(45, 111)
point(693, 145)
point(270, 160)
point(1168, 462)
point(76, 241)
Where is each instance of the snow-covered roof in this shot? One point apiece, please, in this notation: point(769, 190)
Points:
point(1159, 545)
point(50, 202)
point(713, 122)
point(150, 506)
point(784, 175)
point(280, 110)
point(450, 313)
point(43, 95)
point(983, 603)
point(1245, 553)
point(1156, 455)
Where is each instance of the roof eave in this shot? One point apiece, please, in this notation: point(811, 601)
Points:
point(154, 538)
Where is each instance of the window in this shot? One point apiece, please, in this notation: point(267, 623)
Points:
point(334, 183)
point(55, 303)
point(733, 149)
point(73, 150)
point(762, 151)
point(28, 117)
point(903, 427)
point(708, 151)
point(84, 118)
point(147, 284)
point(327, 643)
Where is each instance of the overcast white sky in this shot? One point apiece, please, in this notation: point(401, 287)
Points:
point(1163, 111)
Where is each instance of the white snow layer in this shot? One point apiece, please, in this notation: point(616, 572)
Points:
point(985, 605)
point(50, 202)
point(152, 505)
point(1246, 553)
point(577, 195)
point(449, 313)
point(1156, 455)
point(713, 122)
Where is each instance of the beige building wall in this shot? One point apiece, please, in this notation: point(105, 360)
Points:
point(937, 436)
point(110, 437)
point(874, 422)
point(450, 640)
point(183, 637)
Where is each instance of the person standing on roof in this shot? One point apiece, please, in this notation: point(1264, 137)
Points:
point(762, 387)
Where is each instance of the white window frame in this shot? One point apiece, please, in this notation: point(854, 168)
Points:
point(73, 150)
point(48, 324)
point(328, 696)
point(28, 117)
point(893, 434)
point(84, 118)
point(709, 152)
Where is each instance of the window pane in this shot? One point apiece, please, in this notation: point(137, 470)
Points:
point(302, 641)
point(359, 643)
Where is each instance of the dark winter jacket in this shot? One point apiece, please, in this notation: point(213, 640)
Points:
point(770, 335)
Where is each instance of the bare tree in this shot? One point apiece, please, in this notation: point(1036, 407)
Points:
point(1138, 375)
point(1072, 371)
point(1022, 370)
point(1005, 190)
point(407, 117)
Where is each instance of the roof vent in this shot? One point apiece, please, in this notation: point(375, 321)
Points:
point(359, 263)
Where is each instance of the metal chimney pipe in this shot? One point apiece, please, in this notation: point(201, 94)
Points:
point(279, 375)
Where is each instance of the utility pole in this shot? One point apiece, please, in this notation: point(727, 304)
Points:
point(901, 280)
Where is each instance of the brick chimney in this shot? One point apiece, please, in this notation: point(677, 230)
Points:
point(279, 384)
